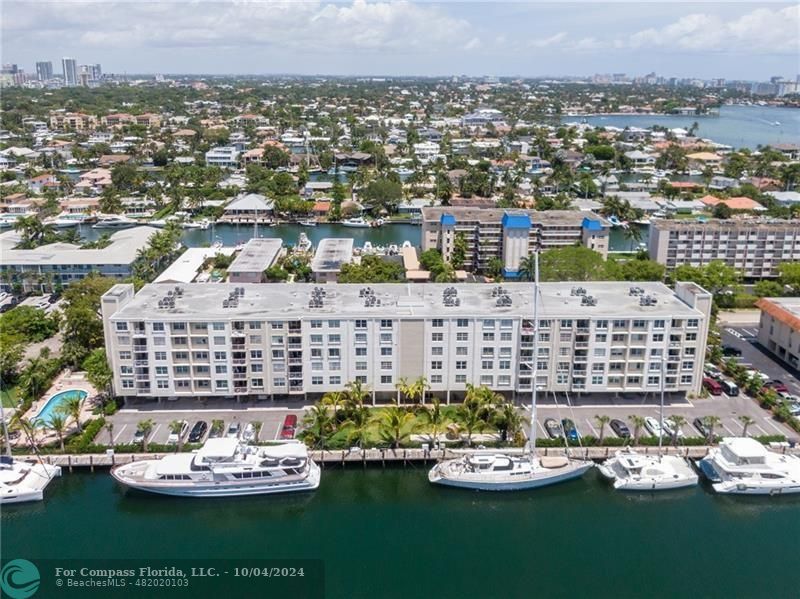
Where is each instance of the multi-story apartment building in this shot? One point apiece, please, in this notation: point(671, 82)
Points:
point(69, 67)
point(280, 340)
point(779, 328)
point(73, 121)
point(509, 234)
point(754, 247)
point(44, 70)
point(223, 156)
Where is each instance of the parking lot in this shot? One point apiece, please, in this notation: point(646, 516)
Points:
point(126, 422)
point(744, 338)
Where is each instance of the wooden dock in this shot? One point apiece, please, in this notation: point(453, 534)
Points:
point(381, 457)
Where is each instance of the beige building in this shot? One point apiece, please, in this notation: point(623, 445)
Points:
point(754, 247)
point(509, 234)
point(256, 256)
point(779, 328)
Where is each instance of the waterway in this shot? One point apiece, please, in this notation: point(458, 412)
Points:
point(389, 533)
point(736, 126)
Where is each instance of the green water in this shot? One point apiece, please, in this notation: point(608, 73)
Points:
point(391, 534)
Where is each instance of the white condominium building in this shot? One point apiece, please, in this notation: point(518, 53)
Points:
point(266, 341)
point(754, 247)
point(509, 235)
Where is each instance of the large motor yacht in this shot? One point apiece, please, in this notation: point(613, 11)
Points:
point(22, 480)
point(224, 468)
point(744, 466)
point(633, 471)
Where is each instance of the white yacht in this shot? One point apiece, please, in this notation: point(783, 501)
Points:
point(744, 466)
point(633, 471)
point(114, 221)
point(224, 467)
point(304, 243)
point(66, 220)
point(22, 481)
point(498, 471)
point(356, 223)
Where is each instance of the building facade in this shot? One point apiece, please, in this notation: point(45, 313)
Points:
point(779, 328)
point(69, 67)
point(754, 247)
point(279, 340)
point(44, 70)
point(509, 234)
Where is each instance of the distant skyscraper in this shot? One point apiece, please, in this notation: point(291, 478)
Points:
point(44, 70)
point(84, 76)
point(70, 68)
point(9, 69)
point(96, 72)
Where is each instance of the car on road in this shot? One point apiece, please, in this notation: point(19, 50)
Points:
point(620, 428)
point(197, 432)
point(174, 437)
point(570, 429)
point(249, 432)
point(731, 351)
point(553, 428)
point(779, 386)
point(652, 425)
point(289, 426)
point(233, 430)
point(700, 425)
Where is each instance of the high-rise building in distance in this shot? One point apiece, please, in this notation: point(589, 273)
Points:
point(44, 70)
point(70, 68)
point(96, 72)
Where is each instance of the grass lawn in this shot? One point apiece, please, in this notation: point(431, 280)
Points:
point(9, 397)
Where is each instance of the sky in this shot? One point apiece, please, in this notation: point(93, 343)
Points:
point(734, 40)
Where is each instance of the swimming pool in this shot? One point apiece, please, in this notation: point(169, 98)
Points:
point(57, 400)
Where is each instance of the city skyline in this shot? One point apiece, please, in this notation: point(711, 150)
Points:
point(740, 40)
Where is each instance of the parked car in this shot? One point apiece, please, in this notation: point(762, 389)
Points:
point(712, 371)
point(233, 430)
point(779, 386)
point(729, 350)
point(175, 437)
point(216, 431)
point(553, 428)
point(670, 428)
point(729, 387)
point(198, 430)
point(794, 408)
point(714, 388)
point(289, 427)
point(653, 427)
point(138, 436)
point(753, 374)
point(249, 432)
point(700, 425)
point(570, 429)
point(620, 428)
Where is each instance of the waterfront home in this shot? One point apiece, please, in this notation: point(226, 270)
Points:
point(352, 159)
point(330, 256)
point(256, 256)
point(701, 160)
point(112, 159)
point(737, 203)
point(248, 208)
point(93, 181)
point(639, 158)
point(720, 182)
point(223, 156)
point(42, 182)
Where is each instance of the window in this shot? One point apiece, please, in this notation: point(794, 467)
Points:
point(598, 367)
point(316, 324)
point(255, 339)
point(505, 364)
point(128, 370)
point(435, 337)
point(503, 380)
point(200, 355)
point(566, 324)
point(620, 324)
point(386, 351)
point(278, 354)
point(182, 384)
point(277, 326)
point(386, 324)
point(178, 326)
point(333, 324)
point(462, 322)
point(218, 326)
point(361, 324)
point(437, 351)
point(544, 337)
point(601, 338)
point(386, 337)
point(361, 351)
point(335, 380)
point(436, 365)
point(653, 380)
point(691, 336)
point(335, 339)
point(688, 351)
point(361, 365)
point(686, 379)
point(505, 336)
point(487, 379)
point(461, 365)
point(599, 352)
point(222, 384)
point(462, 351)
point(566, 336)
point(505, 352)
point(316, 339)
point(255, 354)
point(122, 326)
point(487, 352)
point(277, 340)
point(361, 379)
point(361, 338)
point(257, 368)
point(487, 364)
point(158, 326)
point(436, 378)
point(256, 382)
point(317, 366)
point(687, 365)
point(221, 369)
point(506, 323)
point(692, 323)
point(597, 379)
point(562, 379)
point(659, 324)
point(488, 324)
point(124, 355)
point(386, 365)
point(127, 383)
point(601, 325)
point(160, 355)
point(386, 379)
point(461, 378)
point(334, 365)
point(488, 336)
point(333, 352)
point(462, 336)
point(317, 380)
point(437, 323)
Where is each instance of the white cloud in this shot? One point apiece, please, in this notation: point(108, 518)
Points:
point(546, 42)
point(763, 30)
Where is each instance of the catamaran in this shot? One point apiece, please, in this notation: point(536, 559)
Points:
point(225, 467)
point(633, 471)
point(498, 471)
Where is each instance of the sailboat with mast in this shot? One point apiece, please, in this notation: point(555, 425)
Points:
point(499, 471)
point(22, 480)
point(633, 471)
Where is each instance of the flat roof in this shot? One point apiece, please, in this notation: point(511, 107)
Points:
point(204, 301)
point(257, 255)
point(123, 249)
point(751, 223)
point(495, 215)
point(186, 266)
point(331, 254)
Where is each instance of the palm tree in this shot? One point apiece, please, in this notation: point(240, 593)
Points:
point(110, 428)
point(335, 399)
point(319, 426)
point(358, 422)
point(746, 422)
point(175, 428)
point(356, 394)
point(58, 424)
point(638, 424)
point(395, 425)
point(435, 418)
point(677, 421)
point(72, 407)
point(633, 234)
point(144, 427)
point(402, 387)
point(710, 422)
point(602, 421)
point(472, 419)
point(526, 269)
point(28, 426)
point(508, 421)
point(416, 390)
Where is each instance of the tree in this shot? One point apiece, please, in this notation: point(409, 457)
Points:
point(175, 427)
point(395, 425)
point(527, 268)
point(767, 288)
point(83, 328)
point(746, 422)
point(383, 194)
point(602, 421)
point(373, 269)
point(459, 250)
point(710, 422)
point(144, 428)
point(722, 211)
point(508, 421)
point(638, 424)
point(109, 426)
point(98, 373)
point(571, 263)
point(58, 424)
point(124, 176)
point(676, 422)
point(72, 407)
point(789, 275)
point(435, 418)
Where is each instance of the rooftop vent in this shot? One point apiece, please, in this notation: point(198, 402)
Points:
point(578, 291)
point(450, 297)
point(588, 300)
point(648, 300)
point(635, 291)
point(317, 299)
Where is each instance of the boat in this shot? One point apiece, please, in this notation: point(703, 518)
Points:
point(615, 222)
point(9, 220)
point(196, 224)
point(358, 223)
point(743, 466)
point(633, 471)
point(113, 221)
point(224, 467)
point(22, 480)
point(303, 243)
point(66, 220)
point(307, 223)
point(498, 471)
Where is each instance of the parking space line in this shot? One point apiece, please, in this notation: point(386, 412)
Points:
point(722, 424)
point(763, 432)
point(155, 430)
point(591, 426)
point(119, 434)
point(773, 425)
